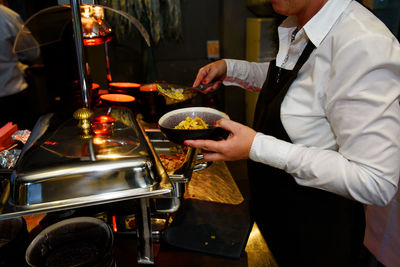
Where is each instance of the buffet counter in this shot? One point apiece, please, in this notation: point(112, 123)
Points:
point(214, 189)
point(211, 223)
point(212, 193)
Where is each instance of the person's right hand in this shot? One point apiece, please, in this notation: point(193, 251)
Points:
point(212, 73)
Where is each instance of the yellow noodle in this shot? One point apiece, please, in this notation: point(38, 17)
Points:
point(192, 124)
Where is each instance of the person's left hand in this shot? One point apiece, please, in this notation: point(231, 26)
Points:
point(235, 147)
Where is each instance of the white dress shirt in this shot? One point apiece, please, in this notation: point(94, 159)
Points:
point(342, 112)
point(12, 69)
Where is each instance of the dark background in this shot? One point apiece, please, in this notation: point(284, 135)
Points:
point(172, 60)
point(175, 61)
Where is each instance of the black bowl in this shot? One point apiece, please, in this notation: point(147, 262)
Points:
point(169, 120)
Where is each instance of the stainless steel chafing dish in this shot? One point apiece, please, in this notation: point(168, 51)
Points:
point(63, 166)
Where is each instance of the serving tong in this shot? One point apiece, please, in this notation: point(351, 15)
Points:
point(176, 92)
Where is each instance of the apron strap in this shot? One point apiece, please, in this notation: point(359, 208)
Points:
point(273, 92)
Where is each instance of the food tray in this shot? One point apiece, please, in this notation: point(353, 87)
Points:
point(55, 170)
point(193, 161)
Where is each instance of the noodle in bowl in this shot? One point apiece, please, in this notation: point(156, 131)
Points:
point(170, 120)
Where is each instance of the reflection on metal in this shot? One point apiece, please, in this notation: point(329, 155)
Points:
point(93, 24)
point(48, 25)
point(92, 154)
point(96, 31)
point(144, 233)
point(4, 193)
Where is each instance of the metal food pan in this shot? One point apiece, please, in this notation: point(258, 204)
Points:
point(193, 161)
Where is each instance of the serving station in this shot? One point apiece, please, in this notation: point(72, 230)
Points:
point(153, 215)
point(63, 167)
point(92, 188)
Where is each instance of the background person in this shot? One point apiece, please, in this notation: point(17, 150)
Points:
point(326, 130)
point(15, 102)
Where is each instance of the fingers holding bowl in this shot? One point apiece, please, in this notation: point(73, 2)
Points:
point(171, 119)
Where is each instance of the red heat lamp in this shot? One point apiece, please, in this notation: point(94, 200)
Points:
point(95, 31)
point(124, 85)
point(127, 88)
point(116, 99)
point(96, 41)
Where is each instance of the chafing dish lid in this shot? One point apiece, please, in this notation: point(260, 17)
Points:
point(56, 165)
point(56, 141)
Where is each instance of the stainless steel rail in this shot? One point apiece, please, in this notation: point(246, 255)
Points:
point(77, 27)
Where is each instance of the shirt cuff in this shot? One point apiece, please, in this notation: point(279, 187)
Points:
point(269, 150)
point(229, 67)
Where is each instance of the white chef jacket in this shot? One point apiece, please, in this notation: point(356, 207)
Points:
point(342, 112)
point(12, 69)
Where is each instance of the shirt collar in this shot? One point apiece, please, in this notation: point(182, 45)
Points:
point(320, 24)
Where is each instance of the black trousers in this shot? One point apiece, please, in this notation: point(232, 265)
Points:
point(305, 226)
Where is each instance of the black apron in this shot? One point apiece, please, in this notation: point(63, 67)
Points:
point(302, 226)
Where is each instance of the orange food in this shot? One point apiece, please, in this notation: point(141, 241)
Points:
point(172, 162)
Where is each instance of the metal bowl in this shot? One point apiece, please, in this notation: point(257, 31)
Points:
point(79, 241)
point(169, 120)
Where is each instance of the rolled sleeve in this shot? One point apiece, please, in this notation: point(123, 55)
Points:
point(248, 75)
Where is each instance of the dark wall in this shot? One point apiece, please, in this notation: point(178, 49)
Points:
point(27, 8)
point(233, 38)
point(179, 61)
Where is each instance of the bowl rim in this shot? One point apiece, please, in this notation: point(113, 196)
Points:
point(186, 110)
point(60, 225)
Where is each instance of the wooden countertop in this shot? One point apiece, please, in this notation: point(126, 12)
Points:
point(214, 184)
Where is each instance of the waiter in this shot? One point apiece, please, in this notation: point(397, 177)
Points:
point(326, 129)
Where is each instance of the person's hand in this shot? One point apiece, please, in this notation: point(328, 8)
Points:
point(213, 72)
point(235, 147)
